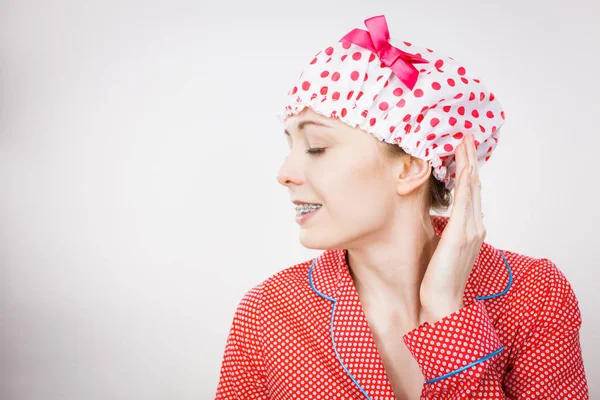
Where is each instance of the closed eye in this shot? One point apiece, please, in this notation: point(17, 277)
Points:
point(314, 150)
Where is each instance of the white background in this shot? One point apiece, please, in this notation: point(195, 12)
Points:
point(139, 149)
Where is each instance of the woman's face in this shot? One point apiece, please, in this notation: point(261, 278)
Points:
point(346, 174)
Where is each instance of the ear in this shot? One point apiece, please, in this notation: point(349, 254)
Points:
point(413, 174)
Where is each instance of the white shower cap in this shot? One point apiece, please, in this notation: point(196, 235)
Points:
point(403, 94)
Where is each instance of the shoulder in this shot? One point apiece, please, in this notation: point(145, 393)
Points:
point(539, 276)
point(540, 290)
point(549, 281)
point(284, 284)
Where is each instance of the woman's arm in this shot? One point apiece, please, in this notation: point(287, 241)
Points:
point(549, 364)
point(242, 375)
point(456, 353)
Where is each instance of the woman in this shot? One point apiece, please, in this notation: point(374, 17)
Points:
point(401, 304)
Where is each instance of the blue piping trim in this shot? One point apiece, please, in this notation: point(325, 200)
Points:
point(482, 359)
point(331, 328)
point(510, 278)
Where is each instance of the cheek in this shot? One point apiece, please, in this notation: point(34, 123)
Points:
point(357, 203)
point(358, 194)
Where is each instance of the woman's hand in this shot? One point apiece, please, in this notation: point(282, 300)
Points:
point(446, 276)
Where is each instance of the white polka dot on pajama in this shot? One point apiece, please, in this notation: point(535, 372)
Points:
point(302, 334)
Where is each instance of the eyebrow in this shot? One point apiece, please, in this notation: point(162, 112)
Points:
point(302, 124)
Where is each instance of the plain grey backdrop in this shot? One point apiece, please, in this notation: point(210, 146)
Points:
point(139, 149)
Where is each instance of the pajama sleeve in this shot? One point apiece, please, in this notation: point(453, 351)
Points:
point(548, 363)
point(456, 354)
point(242, 373)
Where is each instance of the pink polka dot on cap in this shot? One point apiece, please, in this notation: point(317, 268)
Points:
point(402, 93)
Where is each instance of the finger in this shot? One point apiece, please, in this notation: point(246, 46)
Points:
point(460, 157)
point(471, 150)
point(462, 215)
point(475, 186)
point(466, 203)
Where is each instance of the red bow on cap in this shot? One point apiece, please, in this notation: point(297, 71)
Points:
point(377, 40)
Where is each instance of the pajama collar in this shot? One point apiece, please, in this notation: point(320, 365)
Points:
point(330, 278)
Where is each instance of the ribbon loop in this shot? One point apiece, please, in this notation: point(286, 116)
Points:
point(377, 40)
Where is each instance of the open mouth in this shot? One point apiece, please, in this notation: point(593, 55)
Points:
point(306, 209)
point(303, 213)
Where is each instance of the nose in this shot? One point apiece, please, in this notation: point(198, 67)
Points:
point(289, 173)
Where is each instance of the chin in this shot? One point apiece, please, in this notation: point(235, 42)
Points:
point(313, 240)
point(313, 244)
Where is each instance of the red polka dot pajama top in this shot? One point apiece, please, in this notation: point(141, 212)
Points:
point(302, 334)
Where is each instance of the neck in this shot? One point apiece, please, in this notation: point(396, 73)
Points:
point(388, 272)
